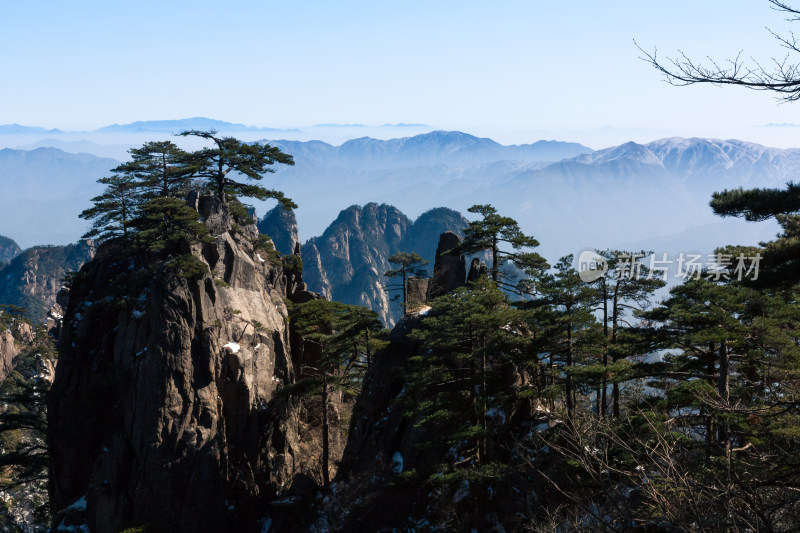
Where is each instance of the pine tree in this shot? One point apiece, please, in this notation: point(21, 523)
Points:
point(113, 210)
point(409, 265)
point(159, 168)
point(493, 233)
point(218, 166)
point(168, 227)
point(570, 332)
point(461, 385)
point(627, 287)
point(781, 258)
point(345, 335)
point(703, 322)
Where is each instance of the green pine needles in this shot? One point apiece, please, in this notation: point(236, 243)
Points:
point(144, 209)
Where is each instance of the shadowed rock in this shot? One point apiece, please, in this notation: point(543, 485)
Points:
point(417, 292)
point(474, 270)
point(449, 269)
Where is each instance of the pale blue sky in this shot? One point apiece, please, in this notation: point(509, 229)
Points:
point(515, 71)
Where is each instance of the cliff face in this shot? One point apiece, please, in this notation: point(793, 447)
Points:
point(164, 408)
point(348, 261)
point(33, 278)
point(13, 338)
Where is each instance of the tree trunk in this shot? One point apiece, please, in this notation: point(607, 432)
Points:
point(366, 347)
point(723, 387)
point(405, 293)
point(568, 384)
point(164, 174)
point(710, 372)
point(221, 181)
point(495, 267)
point(614, 323)
point(484, 444)
point(604, 384)
point(325, 444)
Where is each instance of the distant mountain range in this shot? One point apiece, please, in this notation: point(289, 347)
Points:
point(43, 192)
point(16, 129)
point(568, 196)
point(176, 126)
point(452, 148)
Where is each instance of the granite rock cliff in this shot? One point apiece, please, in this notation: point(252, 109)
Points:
point(165, 407)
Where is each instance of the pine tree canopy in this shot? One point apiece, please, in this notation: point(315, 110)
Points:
point(757, 204)
point(505, 240)
point(160, 168)
point(781, 257)
point(218, 165)
point(166, 223)
point(112, 210)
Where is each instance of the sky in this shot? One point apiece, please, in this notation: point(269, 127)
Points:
point(516, 71)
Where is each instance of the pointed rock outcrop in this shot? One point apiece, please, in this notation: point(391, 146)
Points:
point(449, 269)
point(348, 261)
point(474, 270)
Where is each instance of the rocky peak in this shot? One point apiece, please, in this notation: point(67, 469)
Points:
point(280, 224)
point(348, 261)
point(449, 270)
point(165, 407)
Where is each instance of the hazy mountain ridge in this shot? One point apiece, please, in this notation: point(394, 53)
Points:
point(18, 129)
point(588, 200)
point(438, 147)
point(178, 125)
point(44, 190)
point(113, 151)
point(8, 250)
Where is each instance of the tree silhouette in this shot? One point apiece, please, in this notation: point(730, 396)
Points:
point(218, 166)
point(783, 77)
point(504, 239)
